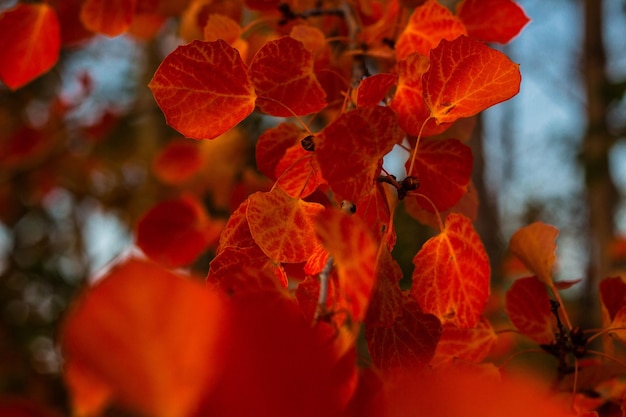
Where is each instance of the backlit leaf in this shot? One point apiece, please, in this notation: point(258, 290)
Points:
point(176, 232)
point(353, 249)
point(528, 307)
point(492, 20)
point(223, 27)
point(157, 360)
point(109, 17)
point(31, 40)
point(272, 145)
point(444, 168)
point(473, 344)
point(298, 172)
point(408, 102)
point(203, 89)
point(350, 149)
point(613, 295)
point(466, 77)
point(451, 275)
point(409, 342)
point(282, 226)
point(387, 298)
point(284, 81)
point(535, 246)
point(428, 25)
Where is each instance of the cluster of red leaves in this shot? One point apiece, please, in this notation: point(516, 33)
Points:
point(294, 277)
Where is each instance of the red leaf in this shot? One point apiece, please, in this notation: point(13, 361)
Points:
point(535, 246)
point(373, 90)
point(109, 17)
point(282, 226)
point(473, 344)
point(354, 252)
point(466, 77)
point(177, 162)
point(272, 145)
point(528, 307)
point(444, 168)
point(284, 81)
point(155, 359)
point(31, 42)
point(613, 295)
point(409, 343)
point(387, 299)
point(203, 89)
point(413, 115)
point(176, 232)
point(428, 25)
point(298, 172)
point(451, 275)
point(492, 20)
point(350, 150)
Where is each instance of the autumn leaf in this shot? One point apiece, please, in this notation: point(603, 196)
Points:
point(373, 90)
point(535, 246)
point(272, 145)
point(284, 80)
point(203, 89)
point(466, 77)
point(451, 275)
point(175, 232)
point(428, 25)
point(177, 162)
point(282, 226)
point(408, 343)
point(528, 307)
point(354, 252)
point(109, 17)
point(444, 168)
point(155, 360)
point(613, 299)
point(350, 149)
point(219, 26)
point(472, 344)
point(31, 43)
point(492, 20)
point(408, 102)
point(298, 172)
point(387, 299)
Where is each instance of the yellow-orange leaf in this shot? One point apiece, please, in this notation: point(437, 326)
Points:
point(451, 275)
point(282, 226)
point(535, 246)
point(466, 77)
point(31, 40)
point(150, 335)
point(471, 344)
point(203, 89)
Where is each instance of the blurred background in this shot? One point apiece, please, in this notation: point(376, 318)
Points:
point(75, 181)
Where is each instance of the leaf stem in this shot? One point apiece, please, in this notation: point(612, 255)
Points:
point(417, 141)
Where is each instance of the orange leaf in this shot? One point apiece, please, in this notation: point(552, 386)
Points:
point(408, 343)
point(473, 344)
point(203, 89)
point(176, 232)
point(444, 168)
point(298, 172)
point(157, 361)
point(387, 299)
point(408, 102)
point(284, 81)
point(354, 251)
point(282, 226)
point(223, 27)
point(272, 145)
point(177, 162)
point(350, 149)
point(465, 77)
point(535, 246)
point(492, 20)
point(311, 37)
point(451, 275)
point(109, 17)
point(31, 42)
point(428, 25)
point(373, 90)
point(528, 307)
